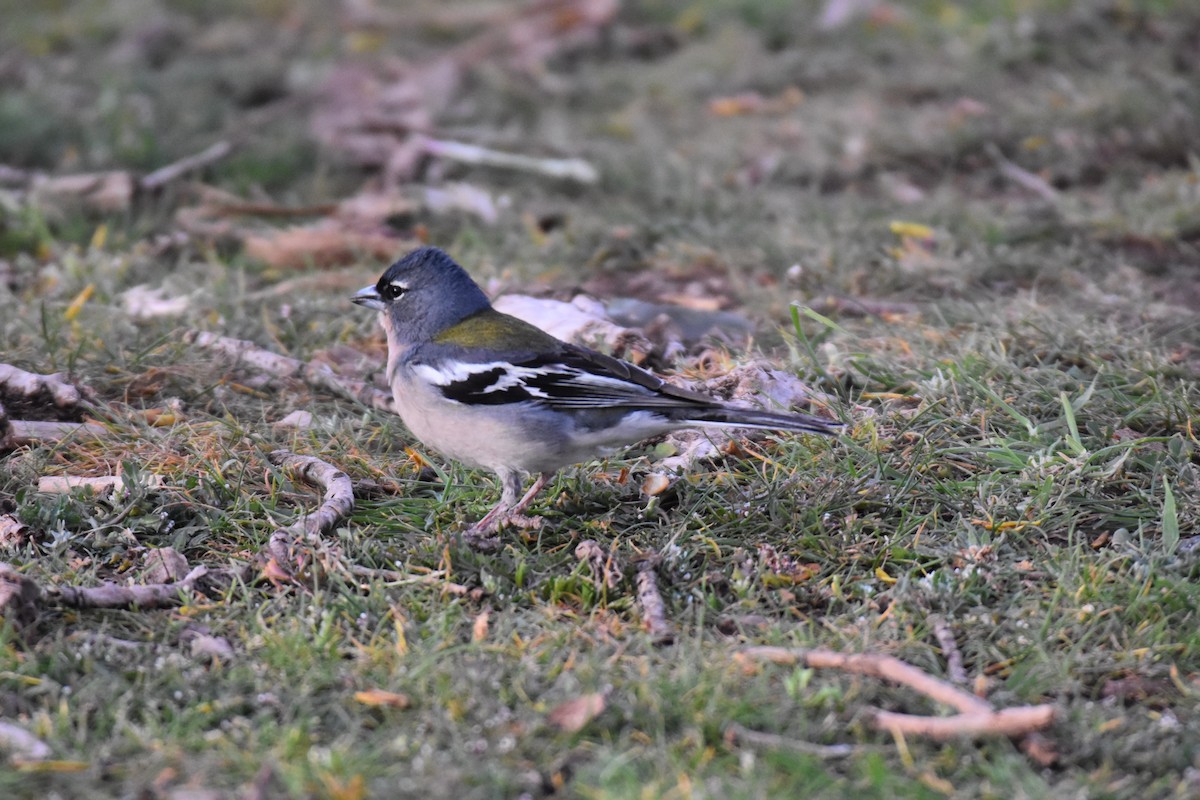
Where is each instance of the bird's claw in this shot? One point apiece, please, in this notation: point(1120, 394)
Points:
point(482, 535)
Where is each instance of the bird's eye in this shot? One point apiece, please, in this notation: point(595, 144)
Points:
point(391, 291)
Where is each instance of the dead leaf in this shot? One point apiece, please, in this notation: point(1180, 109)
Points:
point(754, 103)
point(13, 532)
point(276, 574)
point(96, 191)
point(583, 321)
point(377, 698)
point(211, 647)
point(142, 302)
point(655, 484)
point(300, 420)
point(163, 565)
point(323, 244)
point(572, 715)
point(22, 744)
point(479, 628)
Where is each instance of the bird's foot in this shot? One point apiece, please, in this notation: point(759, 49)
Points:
point(483, 536)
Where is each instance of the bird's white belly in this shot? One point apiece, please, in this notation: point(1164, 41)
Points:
point(519, 438)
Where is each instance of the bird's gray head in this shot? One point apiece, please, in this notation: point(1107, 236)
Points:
point(421, 295)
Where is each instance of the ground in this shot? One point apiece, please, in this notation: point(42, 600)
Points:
point(972, 229)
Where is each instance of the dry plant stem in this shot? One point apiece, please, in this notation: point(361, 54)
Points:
point(653, 609)
point(19, 383)
point(319, 376)
point(950, 651)
point(976, 717)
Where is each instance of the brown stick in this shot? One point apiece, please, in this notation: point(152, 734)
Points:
point(977, 717)
point(876, 665)
point(317, 375)
point(653, 610)
point(1012, 722)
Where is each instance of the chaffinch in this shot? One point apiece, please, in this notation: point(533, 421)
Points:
point(493, 391)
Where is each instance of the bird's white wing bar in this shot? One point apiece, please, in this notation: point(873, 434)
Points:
point(553, 383)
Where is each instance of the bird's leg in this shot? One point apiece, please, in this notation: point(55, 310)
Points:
point(508, 511)
point(518, 510)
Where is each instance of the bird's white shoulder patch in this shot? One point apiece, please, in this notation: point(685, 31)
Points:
point(449, 372)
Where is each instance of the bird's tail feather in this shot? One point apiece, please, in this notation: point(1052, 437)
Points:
point(733, 417)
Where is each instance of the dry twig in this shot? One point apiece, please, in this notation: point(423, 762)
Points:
point(164, 175)
point(113, 595)
point(976, 717)
point(653, 610)
point(1023, 177)
point(314, 374)
point(954, 661)
point(16, 382)
point(575, 169)
point(29, 431)
point(336, 505)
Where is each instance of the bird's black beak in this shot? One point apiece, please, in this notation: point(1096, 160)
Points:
point(368, 298)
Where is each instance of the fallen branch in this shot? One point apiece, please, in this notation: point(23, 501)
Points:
point(954, 661)
point(315, 374)
point(606, 567)
point(653, 609)
point(976, 716)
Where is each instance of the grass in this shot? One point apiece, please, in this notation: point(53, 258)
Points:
point(1021, 461)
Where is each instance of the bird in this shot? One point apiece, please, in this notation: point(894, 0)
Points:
point(494, 392)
